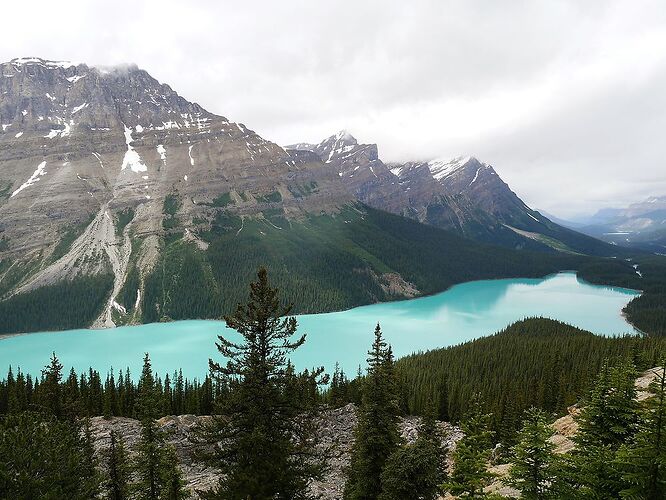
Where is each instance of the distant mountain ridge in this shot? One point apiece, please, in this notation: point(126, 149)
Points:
point(461, 194)
point(640, 225)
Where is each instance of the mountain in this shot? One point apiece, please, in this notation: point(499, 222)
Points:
point(462, 194)
point(122, 202)
point(640, 225)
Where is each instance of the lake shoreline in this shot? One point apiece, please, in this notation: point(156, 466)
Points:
point(4, 336)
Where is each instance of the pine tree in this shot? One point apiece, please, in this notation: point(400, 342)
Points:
point(643, 461)
point(118, 469)
point(607, 420)
point(50, 389)
point(415, 471)
point(534, 466)
point(376, 434)
point(42, 457)
point(268, 448)
point(173, 484)
point(149, 462)
point(470, 459)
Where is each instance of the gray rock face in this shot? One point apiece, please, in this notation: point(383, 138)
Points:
point(336, 433)
point(81, 144)
point(361, 170)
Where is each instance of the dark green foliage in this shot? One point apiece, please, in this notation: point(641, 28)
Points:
point(170, 208)
point(173, 483)
point(534, 469)
point(272, 197)
point(223, 200)
point(472, 453)
point(324, 262)
point(4, 244)
point(67, 237)
point(158, 474)
point(267, 434)
point(65, 305)
point(123, 217)
point(642, 461)
point(117, 469)
point(181, 286)
point(609, 415)
point(607, 420)
point(534, 362)
point(376, 434)
point(41, 457)
point(415, 471)
point(128, 293)
point(50, 390)
point(5, 190)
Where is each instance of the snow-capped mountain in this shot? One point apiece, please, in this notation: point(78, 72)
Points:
point(94, 155)
point(462, 194)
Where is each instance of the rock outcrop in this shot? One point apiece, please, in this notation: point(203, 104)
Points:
point(336, 433)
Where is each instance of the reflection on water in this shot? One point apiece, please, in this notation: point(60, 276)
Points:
point(464, 312)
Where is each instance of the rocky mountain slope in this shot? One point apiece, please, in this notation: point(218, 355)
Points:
point(462, 194)
point(89, 157)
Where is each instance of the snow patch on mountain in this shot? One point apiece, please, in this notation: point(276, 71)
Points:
point(132, 158)
point(443, 168)
point(33, 178)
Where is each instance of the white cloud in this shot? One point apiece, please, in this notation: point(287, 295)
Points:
point(564, 98)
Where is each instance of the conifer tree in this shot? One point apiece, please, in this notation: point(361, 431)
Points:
point(470, 459)
point(268, 442)
point(607, 420)
point(643, 461)
point(50, 389)
point(415, 471)
point(534, 466)
point(118, 469)
point(42, 457)
point(149, 462)
point(376, 434)
point(173, 484)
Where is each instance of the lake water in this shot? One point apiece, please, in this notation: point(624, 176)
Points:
point(463, 312)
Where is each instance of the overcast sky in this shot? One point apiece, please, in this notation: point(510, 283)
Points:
point(566, 99)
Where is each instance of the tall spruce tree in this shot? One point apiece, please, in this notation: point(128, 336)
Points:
point(470, 473)
point(50, 390)
point(267, 440)
point(376, 434)
point(642, 462)
point(173, 483)
point(608, 420)
point(117, 483)
point(415, 471)
point(534, 466)
point(150, 458)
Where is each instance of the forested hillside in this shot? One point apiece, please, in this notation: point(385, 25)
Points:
point(535, 362)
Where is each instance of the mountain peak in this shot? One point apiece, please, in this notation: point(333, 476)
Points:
point(345, 137)
point(24, 61)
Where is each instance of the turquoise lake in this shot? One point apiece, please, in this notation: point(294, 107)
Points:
point(463, 312)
